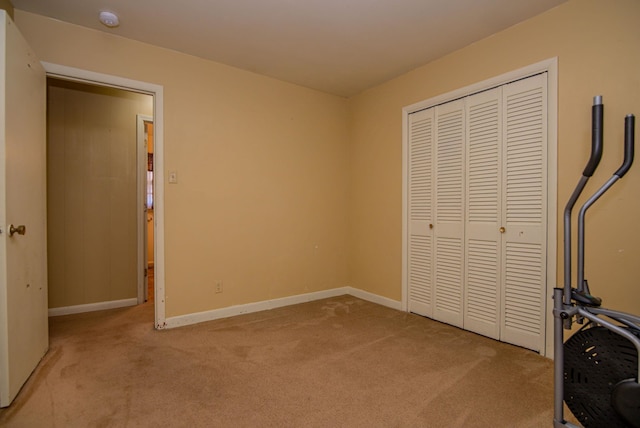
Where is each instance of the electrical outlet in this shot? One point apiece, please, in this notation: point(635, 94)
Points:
point(219, 286)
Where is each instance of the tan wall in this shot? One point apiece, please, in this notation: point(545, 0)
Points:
point(91, 189)
point(597, 45)
point(262, 192)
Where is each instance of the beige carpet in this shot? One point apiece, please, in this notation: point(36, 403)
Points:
point(339, 362)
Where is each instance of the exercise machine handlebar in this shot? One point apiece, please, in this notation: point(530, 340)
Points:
point(597, 118)
point(629, 142)
point(597, 126)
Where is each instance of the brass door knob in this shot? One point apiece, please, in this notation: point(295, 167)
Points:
point(503, 230)
point(430, 226)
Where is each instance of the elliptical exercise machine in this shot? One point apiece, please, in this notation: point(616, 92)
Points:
point(597, 370)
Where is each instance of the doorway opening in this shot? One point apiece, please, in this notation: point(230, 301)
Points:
point(145, 137)
point(154, 95)
point(96, 175)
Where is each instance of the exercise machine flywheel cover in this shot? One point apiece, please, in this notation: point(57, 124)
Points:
point(595, 361)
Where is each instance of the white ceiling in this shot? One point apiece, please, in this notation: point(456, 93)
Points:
point(337, 46)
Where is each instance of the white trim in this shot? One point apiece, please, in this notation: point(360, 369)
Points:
point(374, 298)
point(5, 394)
point(100, 79)
point(84, 76)
point(550, 66)
point(231, 311)
point(92, 307)
point(405, 209)
point(552, 200)
point(521, 73)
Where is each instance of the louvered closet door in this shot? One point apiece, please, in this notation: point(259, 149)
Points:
point(525, 208)
point(420, 252)
point(482, 296)
point(449, 212)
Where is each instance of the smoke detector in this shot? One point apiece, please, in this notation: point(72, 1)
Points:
point(109, 19)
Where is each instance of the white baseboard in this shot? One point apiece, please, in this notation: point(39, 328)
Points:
point(183, 320)
point(374, 298)
point(91, 307)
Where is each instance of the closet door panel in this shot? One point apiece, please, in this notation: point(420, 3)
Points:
point(483, 277)
point(525, 208)
point(449, 212)
point(420, 251)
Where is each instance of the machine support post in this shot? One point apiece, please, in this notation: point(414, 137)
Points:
point(558, 356)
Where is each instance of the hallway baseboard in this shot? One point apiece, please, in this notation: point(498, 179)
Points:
point(91, 307)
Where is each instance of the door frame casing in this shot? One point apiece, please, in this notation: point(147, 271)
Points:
point(549, 66)
point(157, 91)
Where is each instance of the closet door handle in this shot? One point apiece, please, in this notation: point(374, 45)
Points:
point(20, 230)
point(502, 229)
point(430, 226)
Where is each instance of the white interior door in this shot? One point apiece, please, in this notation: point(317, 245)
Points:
point(483, 213)
point(449, 212)
point(477, 203)
point(525, 211)
point(23, 257)
point(420, 254)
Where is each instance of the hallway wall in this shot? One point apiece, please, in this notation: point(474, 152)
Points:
point(91, 189)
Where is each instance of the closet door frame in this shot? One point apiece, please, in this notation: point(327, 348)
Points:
point(550, 66)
